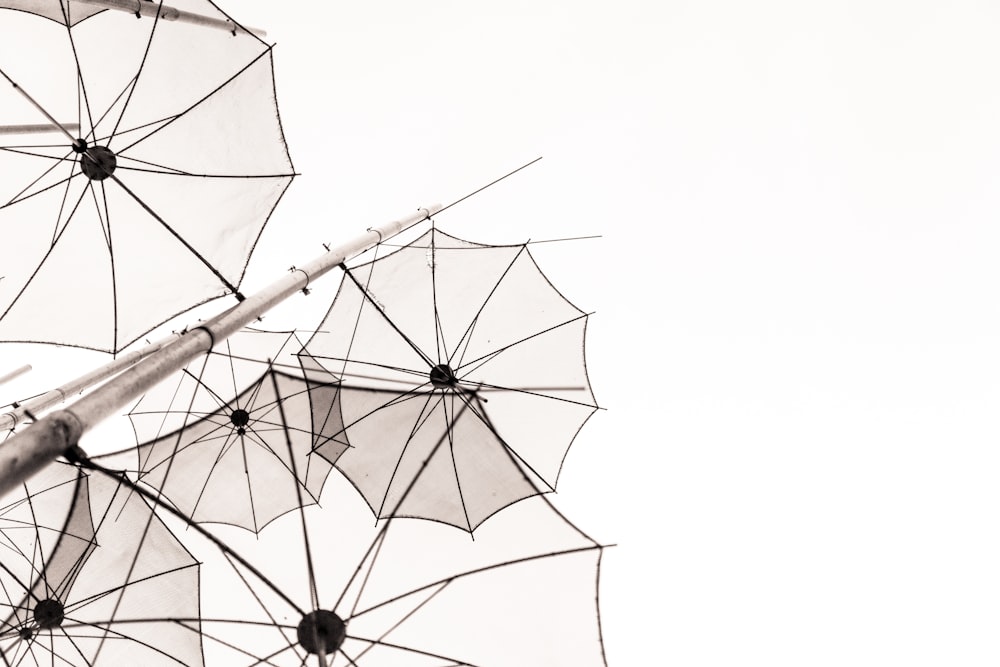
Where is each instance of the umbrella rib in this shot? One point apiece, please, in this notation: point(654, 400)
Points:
point(221, 403)
point(91, 465)
point(514, 456)
point(479, 570)
point(422, 418)
point(37, 106)
point(65, 198)
point(529, 392)
point(483, 359)
point(450, 431)
point(135, 79)
point(17, 199)
point(176, 172)
point(467, 336)
point(401, 621)
point(381, 534)
point(218, 458)
point(121, 635)
point(232, 288)
point(253, 593)
point(373, 364)
point(81, 88)
point(454, 662)
point(438, 328)
point(38, 546)
point(73, 644)
point(381, 312)
point(93, 130)
point(45, 258)
point(174, 118)
point(313, 592)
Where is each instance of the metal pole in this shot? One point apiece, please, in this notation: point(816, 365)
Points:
point(45, 401)
point(171, 14)
point(16, 373)
point(26, 453)
point(38, 128)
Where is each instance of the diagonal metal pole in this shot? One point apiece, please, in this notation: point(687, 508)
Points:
point(27, 452)
point(167, 13)
point(39, 404)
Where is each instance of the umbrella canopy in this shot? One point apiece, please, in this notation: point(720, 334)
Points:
point(341, 592)
point(456, 357)
point(66, 12)
point(212, 443)
point(90, 576)
point(155, 203)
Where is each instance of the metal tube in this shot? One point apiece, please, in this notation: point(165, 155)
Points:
point(38, 128)
point(45, 401)
point(171, 14)
point(16, 373)
point(27, 452)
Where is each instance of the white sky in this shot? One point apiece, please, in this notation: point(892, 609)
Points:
point(796, 326)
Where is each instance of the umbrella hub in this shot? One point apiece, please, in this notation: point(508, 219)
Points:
point(96, 162)
point(321, 629)
point(240, 418)
point(442, 377)
point(49, 613)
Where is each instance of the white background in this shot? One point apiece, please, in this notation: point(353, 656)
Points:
point(795, 330)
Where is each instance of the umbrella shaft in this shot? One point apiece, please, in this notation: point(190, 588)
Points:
point(26, 453)
point(171, 14)
point(37, 128)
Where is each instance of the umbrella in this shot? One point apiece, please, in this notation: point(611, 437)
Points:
point(155, 203)
point(90, 576)
point(444, 337)
point(211, 441)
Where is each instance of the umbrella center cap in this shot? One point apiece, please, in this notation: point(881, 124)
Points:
point(49, 613)
point(321, 629)
point(97, 162)
point(240, 418)
point(443, 377)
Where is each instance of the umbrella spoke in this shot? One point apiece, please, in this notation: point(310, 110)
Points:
point(173, 118)
point(483, 359)
point(377, 642)
point(368, 297)
point(515, 458)
point(449, 431)
point(310, 569)
point(442, 347)
point(232, 288)
point(82, 100)
point(421, 419)
point(463, 342)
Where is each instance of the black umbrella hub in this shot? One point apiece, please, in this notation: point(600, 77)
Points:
point(49, 613)
point(96, 162)
point(442, 377)
point(240, 418)
point(321, 630)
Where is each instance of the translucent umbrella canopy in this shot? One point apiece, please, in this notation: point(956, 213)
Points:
point(343, 593)
point(90, 576)
point(460, 360)
point(213, 440)
point(162, 163)
point(66, 12)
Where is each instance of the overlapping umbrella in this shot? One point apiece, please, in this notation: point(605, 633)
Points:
point(164, 160)
point(211, 441)
point(90, 575)
point(445, 338)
